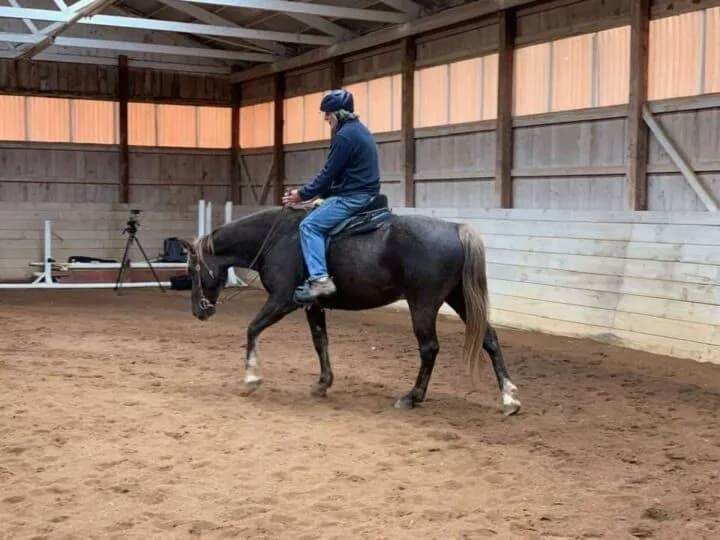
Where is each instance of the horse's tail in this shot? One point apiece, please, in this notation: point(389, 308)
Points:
point(475, 292)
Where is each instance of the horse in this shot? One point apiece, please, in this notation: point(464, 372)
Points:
point(423, 260)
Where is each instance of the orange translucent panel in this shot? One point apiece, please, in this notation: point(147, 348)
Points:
point(466, 91)
point(313, 118)
point(490, 87)
point(396, 81)
point(294, 118)
point(264, 124)
point(176, 126)
point(432, 96)
point(416, 100)
point(360, 98)
point(214, 125)
point(380, 100)
point(141, 124)
point(257, 125)
point(532, 66)
point(674, 52)
point(93, 121)
point(613, 66)
point(12, 118)
point(247, 120)
point(712, 50)
point(48, 119)
point(572, 73)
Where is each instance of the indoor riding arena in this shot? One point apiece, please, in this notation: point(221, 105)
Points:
point(580, 139)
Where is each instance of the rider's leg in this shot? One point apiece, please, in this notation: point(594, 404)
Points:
point(313, 231)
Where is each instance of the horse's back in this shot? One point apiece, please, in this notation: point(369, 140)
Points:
point(407, 254)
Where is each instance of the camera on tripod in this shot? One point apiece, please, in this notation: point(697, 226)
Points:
point(131, 230)
point(133, 222)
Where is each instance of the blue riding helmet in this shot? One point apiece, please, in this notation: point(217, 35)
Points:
point(336, 100)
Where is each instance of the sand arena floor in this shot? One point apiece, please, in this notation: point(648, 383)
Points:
point(125, 418)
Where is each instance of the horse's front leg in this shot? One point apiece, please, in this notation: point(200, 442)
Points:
point(316, 320)
point(269, 314)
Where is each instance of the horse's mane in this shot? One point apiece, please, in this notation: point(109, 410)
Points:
point(206, 244)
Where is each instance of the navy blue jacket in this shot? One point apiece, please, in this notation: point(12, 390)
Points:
point(351, 167)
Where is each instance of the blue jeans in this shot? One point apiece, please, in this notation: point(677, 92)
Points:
point(315, 227)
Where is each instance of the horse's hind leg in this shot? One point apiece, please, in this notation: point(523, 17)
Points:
point(316, 320)
point(511, 403)
point(269, 314)
point(423, 319)
point(491, 344)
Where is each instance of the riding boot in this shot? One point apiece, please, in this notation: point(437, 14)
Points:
point(314, 289)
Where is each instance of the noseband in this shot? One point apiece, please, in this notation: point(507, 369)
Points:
point(205, 304)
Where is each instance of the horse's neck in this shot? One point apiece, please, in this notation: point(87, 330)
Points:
point(240, 241)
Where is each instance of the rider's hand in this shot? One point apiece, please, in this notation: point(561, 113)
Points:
point(293, 197)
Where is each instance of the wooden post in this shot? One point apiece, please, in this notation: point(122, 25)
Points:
point(337, 72)
point(407, 122)
point(504, 128)
point(124, 161)
point(235, 189)
point(637, 131)
point(278, 150)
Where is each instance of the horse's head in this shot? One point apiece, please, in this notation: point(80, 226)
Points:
point(208, 279)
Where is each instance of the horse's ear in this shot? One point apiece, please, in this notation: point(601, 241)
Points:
point(188, 246)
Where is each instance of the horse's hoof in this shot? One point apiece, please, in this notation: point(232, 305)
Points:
point(511, 405)
point(404, 403)
point(252, 382)
point(318, 390)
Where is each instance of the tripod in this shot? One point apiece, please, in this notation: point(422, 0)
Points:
point(131, 231)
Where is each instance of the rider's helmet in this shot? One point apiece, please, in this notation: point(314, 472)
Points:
point(336, 100)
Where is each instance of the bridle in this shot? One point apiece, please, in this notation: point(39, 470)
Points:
point(205, 303)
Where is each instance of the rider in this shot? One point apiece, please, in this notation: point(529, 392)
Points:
point(350, 179)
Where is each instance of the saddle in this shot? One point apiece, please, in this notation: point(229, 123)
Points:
point(370, 218)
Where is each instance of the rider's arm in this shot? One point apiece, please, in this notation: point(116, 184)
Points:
point(337, 159)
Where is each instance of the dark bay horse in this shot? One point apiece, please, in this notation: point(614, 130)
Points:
point(423, 260)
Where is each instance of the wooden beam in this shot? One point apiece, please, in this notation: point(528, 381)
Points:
point(278, 150)
point(235, 191)
point(337, 72)
point(124, 161)
point(637, 131)
point(504, 126)
point(449, 17)
point(407, 121)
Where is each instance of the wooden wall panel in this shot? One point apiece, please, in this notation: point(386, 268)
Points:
point(48, 119)
point(468, 41)
point(613, 66)
point(372, 64)
point(12, 113)
point(640, 280)
point(94, 122)
point(572, 73)
point(468, 193)
point(575, 193)
point(307, 81)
